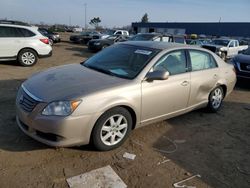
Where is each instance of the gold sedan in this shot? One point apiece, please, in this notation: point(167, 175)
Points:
point(121, 88)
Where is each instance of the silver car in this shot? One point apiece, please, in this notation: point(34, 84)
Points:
point(121, 88)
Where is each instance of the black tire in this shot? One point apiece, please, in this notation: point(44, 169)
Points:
point(214, 103)
point(97, 133)
point(105, 46)
point(31, 57)
point(51, 42)
point(223, 56)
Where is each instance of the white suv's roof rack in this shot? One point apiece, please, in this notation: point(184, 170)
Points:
point(13, 22)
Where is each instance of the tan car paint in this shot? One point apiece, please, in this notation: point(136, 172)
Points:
point(150, 101)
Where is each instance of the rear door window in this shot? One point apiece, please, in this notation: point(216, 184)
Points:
point(201, 60)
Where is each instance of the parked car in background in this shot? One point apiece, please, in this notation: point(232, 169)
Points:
point(99, 44)
point(158, 37)
point(22, 43)
point(83, 37)
point(200, 42)
point(225, 48)
point(106, 33)
point(123, 87)
point(241, 63)
point(53, 37)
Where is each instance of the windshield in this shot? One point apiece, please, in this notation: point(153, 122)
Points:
point(141, 37)
point(127, 62)
point(220, 42)
point(247, 51)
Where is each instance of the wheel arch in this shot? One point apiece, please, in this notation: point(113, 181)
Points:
point(224, 87)
point(27, 48)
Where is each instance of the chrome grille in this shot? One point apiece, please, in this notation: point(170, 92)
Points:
point(26, 102)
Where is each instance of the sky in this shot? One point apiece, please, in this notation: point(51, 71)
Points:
point(118, 13)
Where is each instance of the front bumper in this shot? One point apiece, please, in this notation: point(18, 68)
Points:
point(55, 131)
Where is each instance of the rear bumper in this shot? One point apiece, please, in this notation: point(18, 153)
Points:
point(46, 55)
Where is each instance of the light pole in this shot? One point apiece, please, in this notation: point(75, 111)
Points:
point(85, 6)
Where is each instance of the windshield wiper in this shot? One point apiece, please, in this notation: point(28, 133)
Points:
point(105, 71)
point(100, 70)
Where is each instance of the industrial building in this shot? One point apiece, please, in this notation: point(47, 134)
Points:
point(236, 29)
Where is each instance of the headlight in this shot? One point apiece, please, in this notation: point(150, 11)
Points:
point(97, 43)
point(60, 108)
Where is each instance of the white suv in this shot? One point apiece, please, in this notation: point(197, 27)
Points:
point(23, 43)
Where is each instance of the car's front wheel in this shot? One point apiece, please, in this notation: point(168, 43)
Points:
point(27, 57)
point(215, 99)
point(112, 129)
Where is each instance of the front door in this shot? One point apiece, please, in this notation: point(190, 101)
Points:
point(163, 97)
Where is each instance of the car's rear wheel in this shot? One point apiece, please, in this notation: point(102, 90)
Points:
point(27, 57)
point(223, 56)
point(112, 129)
point(215, 99)
point(51, 42)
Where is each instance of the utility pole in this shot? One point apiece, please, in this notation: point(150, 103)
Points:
point(85, 6)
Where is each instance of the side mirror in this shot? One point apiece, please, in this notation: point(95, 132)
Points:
point(157, 75)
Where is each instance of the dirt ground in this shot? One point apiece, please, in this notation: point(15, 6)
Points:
point(216, 146)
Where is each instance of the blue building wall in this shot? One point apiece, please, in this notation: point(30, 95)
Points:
point(222, 29)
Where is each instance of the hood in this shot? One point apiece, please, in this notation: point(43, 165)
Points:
point(242, 58)
point(69, 82)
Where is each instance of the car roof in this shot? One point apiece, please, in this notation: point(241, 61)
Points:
point(19, 26)
point(155, 44)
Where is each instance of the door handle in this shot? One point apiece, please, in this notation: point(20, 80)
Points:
point(184, 83)
point(215, 76)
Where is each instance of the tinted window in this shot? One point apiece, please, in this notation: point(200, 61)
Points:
point(201, 60)
point(174, 63)
point(9, 32)
point(26, 32)
point(118, 33)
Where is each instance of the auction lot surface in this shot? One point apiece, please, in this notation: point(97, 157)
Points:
point(216, 146)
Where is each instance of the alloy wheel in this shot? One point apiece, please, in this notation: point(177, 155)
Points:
point(28, 58)
point(114, 130)
point(217, 98)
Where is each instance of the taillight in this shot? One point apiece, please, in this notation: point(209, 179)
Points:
point(45, 41)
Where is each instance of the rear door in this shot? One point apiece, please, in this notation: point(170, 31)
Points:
point(204, 76)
